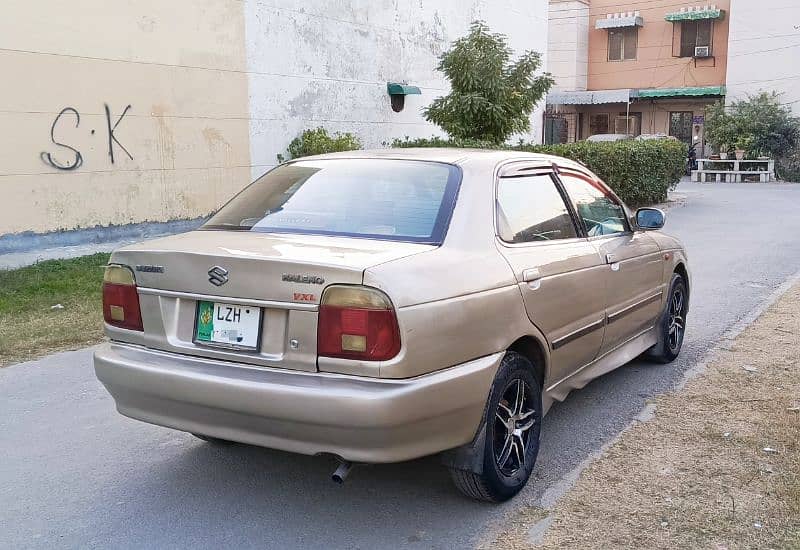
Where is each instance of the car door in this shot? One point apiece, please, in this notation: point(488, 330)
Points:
point(634, 267)
point(559, 272)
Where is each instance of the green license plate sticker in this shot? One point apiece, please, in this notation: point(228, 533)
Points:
point(205, 321)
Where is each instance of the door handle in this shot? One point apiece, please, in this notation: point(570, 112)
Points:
point(533, 277)
point(530, 275)
point(612, 261)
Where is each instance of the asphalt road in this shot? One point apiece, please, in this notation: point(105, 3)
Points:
point(74, 473)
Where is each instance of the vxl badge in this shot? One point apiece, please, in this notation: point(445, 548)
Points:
point(217, 275)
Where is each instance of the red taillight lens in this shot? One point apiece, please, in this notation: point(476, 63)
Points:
point(120, 299)
point(357, 323)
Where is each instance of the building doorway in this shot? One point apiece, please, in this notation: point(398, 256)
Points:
point(680, 125)
point(562, 128)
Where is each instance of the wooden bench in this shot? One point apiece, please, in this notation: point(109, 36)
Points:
point(736, 174)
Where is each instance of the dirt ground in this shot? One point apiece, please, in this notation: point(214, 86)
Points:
point(717, 466)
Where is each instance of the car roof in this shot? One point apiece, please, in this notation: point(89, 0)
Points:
point(451, 156)
point(609, 137)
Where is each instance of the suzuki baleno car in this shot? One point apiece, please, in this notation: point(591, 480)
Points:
point(382, 306)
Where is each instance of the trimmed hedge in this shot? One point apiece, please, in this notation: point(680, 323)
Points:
point(319, 141)
point(640, 172)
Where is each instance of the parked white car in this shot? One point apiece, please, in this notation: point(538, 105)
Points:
point(609, 137)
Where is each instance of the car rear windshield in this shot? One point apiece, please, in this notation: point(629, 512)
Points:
point(398, 200)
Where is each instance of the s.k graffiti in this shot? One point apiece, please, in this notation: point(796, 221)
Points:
point(70, 114)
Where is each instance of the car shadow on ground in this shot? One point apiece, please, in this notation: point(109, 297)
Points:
point(200, 492)
point(264, 491)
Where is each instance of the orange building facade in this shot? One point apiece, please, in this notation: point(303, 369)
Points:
point(645, 67)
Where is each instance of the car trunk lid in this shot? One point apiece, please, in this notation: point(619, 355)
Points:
point(280, 275)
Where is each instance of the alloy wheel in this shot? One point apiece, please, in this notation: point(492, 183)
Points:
point(514, 419)
point(677, 323)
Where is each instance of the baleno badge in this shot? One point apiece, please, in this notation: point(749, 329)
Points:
point(217, 275)
point(150, 268)
point(302, 278)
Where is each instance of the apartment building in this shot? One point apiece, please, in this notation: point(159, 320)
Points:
point(641, 67)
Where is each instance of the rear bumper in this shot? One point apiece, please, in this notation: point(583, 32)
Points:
point(359, 419)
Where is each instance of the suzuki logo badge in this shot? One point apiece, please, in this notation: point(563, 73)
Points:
point(217, 275)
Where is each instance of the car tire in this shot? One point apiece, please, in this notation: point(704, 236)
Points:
point(213, 440)
point(672, 325)
point(512, 419)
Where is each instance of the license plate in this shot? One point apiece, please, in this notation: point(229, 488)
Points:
point(228, 325)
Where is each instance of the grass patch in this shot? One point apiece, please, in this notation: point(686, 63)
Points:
point(30, 328)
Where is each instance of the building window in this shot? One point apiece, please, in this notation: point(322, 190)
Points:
point(695, 34)
point(630, 124)
point(680, 125)
point(598, 124)
point(622, 44)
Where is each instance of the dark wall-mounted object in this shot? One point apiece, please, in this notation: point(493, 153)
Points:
point(398, 93)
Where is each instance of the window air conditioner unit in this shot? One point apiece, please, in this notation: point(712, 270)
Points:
point(702, 51)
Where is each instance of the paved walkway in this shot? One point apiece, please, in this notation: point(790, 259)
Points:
point(88, 241)
point(20, 259)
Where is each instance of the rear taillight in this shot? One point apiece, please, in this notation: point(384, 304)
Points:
point(357, 322)
point(120, 299)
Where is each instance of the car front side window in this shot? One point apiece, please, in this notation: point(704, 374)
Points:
point(600, 213)
point(531, 209)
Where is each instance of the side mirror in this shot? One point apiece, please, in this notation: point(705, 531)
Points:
point(649, 219)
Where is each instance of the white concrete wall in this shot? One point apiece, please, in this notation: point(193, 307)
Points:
point(568, 43)
point(175, 69)
point(214, 90)
point(327, 63)
point(764, 49)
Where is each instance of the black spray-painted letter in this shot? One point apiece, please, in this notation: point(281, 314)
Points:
point(112, 139)
point(47, 157)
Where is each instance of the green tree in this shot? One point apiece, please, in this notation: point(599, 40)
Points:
point(759, 124)
point(491, 97)
point(720, 130)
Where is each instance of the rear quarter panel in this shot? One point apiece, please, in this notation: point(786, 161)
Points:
point(456, 307)
point(461, 300)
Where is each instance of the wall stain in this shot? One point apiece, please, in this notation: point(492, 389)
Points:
point(165, 149)
point(146, 23)
point(217, 144)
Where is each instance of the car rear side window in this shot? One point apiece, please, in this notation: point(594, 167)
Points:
point(530, 209)
point(385, 199)
point(598, 210)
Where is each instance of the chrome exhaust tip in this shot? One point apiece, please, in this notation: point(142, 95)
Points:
point(341, 473)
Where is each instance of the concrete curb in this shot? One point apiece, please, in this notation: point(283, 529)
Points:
point(29, 241)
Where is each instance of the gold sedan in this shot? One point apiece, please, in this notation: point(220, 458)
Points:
point(382, 306)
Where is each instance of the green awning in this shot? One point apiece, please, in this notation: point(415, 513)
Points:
point(395, 88)
point(695, 14)
point(619, 21)
point(683, 92)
